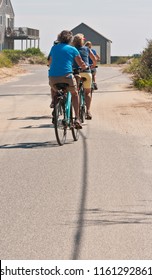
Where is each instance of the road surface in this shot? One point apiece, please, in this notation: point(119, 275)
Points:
point(90, 199)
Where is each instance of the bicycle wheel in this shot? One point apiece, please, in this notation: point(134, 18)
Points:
point(74, 130)
point(59, 121)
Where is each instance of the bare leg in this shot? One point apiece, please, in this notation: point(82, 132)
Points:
point(88, 98)
point(88, 103)
point(75, 102)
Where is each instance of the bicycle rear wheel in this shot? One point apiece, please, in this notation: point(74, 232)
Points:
point(59, 121)
point(82, 106)
point(74, 130)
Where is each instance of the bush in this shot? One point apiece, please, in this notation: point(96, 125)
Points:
point(141, 68)
point(33, 52)
point(13, 55)
point(5, 61)
point(32, 55)
point(143, 84)
point(133, 66)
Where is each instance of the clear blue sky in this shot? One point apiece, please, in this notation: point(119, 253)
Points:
point(127, 23)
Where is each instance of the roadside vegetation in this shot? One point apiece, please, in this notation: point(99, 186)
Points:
point(8, 58)
point(141, 69)
point(120, 59)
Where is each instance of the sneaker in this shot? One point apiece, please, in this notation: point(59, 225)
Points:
point(77, 124)
point(88, 116)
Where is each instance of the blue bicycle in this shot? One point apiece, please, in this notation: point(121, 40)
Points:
point(63, 114)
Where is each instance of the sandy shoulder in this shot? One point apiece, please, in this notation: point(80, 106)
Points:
point(7, 74)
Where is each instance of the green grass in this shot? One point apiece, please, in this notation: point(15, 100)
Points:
point(8, 58)
point(5, 61)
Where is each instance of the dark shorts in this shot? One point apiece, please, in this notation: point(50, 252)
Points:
point(68, 79)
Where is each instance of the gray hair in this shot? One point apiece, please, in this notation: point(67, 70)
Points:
point(65, 37)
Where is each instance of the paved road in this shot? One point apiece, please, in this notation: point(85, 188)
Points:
point(90, 199)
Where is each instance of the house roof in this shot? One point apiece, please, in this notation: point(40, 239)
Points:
point(10, 4)
point(12, 7)
point(85, 25)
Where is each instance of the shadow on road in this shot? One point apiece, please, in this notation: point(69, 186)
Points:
point(81, 210)
point(101, 217)
point(30, 145)
point(24, 94)
point(30, 118)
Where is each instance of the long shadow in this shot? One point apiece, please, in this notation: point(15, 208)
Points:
point(101, 217)
point(105, 91)
point(30, 145)
point(80, 221)
point(25, 94)
point(30, 118)
point(38, 126)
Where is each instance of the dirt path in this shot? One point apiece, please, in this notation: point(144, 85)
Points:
point(6, 74)
point(121, 107)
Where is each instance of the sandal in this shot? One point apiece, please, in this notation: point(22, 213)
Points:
point(77, 124)
point(95, 86)
point(52, 105)
point(88, 116)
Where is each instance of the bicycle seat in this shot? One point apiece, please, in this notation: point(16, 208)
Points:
point(62, 86)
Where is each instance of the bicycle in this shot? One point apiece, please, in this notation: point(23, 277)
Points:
point(82, 106)
point(63, 114)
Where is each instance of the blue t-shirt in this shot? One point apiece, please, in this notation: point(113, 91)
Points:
point(84, 53)
point(90, 60)
point(63, 56)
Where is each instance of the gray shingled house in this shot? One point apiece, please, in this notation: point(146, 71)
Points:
point(9, 33)
point(6, 24)
point(99, 42)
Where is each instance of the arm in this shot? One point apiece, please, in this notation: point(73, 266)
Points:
point(49, 61)
point(97, 57)
point(80, 62)
point(93, 58)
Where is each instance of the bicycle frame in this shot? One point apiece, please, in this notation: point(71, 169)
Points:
point(63, 115)
point(68, 107)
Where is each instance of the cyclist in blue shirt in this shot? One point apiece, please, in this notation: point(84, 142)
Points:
point(61, 59)
point(85, 53)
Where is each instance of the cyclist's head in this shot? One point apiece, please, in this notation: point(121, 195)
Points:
point(65, 37)
point(88, 44)
point(78, 40)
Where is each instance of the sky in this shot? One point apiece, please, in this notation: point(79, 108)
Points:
point(127, 23)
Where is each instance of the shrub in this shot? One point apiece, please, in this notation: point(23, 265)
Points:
point(31, 55)
point(133, 66)
point(141, 68)
point(5, 61)
point(13, 55)
point(33, 52)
